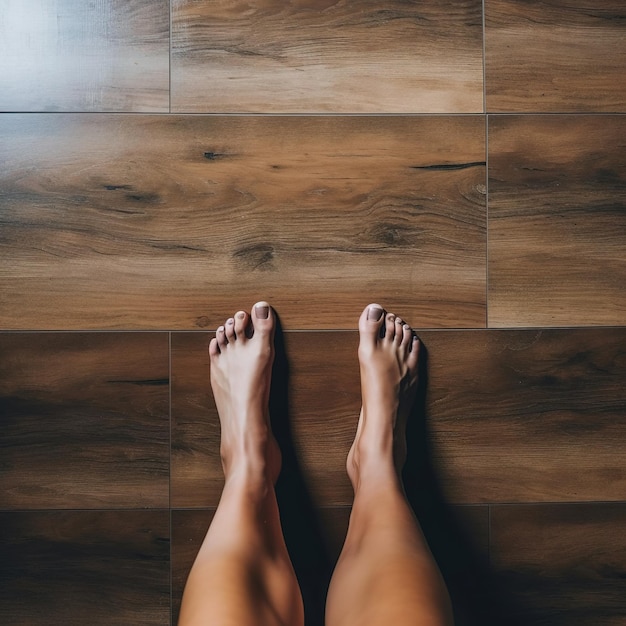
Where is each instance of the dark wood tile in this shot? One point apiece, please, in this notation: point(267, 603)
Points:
point(559, 55)
point(338, 57)
point(557, 218)
point(314, 417)
point(511, 416)
point(188, 531)
point(119, 221)
point(84, 567)
point(84, 420)
point(523, 416)
point(564, 564)
point(69, 55)
point(196, 469)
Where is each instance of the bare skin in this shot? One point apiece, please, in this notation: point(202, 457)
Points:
point(242, 574)
point(386, 573)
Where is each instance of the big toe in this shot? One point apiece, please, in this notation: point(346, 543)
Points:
point(371, 321)
point(263, 319)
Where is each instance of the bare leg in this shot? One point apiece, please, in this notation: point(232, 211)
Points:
point(242, 574)
point(386, 573)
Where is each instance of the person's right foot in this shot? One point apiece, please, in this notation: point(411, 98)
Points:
point(388, 358)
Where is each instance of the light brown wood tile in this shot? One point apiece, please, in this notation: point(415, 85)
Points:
point(528, 416)
point(137, 221)
point(70, 55)
point(558, 56)
point(557, 220)
point(563, 564)
point(84, 420)
point(329, 56)
point(84, 567)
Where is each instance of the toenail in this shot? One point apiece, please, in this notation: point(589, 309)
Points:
point(220, 329)
point(407, 327)
point(262, 312)
point(391, 317)
point(241, 315)
point(398, 320)
point(374, 313)
point(230, 321)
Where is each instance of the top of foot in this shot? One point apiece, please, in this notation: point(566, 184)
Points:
point(242, 354)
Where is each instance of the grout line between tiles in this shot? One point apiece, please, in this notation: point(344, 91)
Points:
point(486, 121)
point(484, 60)
point(169, 68)
point(169, 482)
point(489, 563)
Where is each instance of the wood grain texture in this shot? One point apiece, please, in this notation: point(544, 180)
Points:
point(555, 55)
point(174, 222)
point(338, 56)
point(84, 420)
point(70, 55)
point(84, 567)
point(315, 420)
point(528, 416)
point(557, 220)
point(564, 564)
point(511, 416)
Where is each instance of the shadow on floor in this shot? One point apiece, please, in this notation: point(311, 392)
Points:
point(301, 525)
point(477, 597)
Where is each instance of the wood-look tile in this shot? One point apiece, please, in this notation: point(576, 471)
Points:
point(557, 56)
point(196, 470)
point(510, 416)
point(84, 420)
point(84, 567)
point(329, 56)
point(315, 410)
point(119, 221)
point(563, 564)
point(557, 219)
point(70, 55)
point(188, 531)
point(528, 416)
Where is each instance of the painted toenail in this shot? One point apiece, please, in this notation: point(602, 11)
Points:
point(374, 313)
point(262, 312)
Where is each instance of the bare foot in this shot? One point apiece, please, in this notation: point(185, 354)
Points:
point(388, 357)
point(242, 354)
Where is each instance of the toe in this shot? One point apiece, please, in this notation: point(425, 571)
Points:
point(390, 327)
point(372, 321)
point(263, 319)
point(407, 337)
point(214, 349)
point(220, 335)
point(414, 353)
point(241, 324)
point(230, 329)
point(399, 330)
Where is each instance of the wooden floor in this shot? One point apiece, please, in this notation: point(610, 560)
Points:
point(165, 163)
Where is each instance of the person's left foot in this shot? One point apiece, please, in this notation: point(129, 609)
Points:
point(242, 354)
